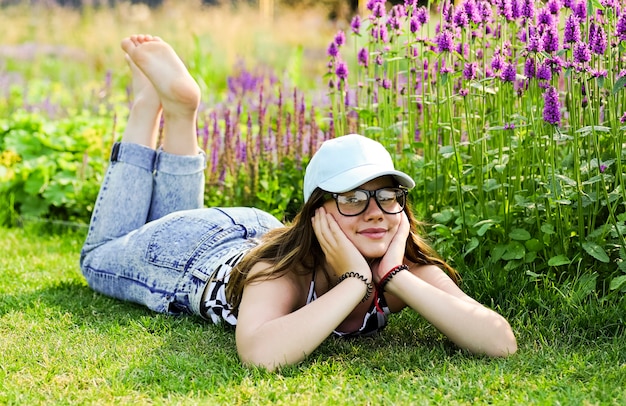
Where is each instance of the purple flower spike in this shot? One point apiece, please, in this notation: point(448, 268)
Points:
point(509, 73)
point(363, 57)
point(332, 50)
point(355, 25)
point(551, 108)
point(530, 68)
point(572, 29)
point(600, 42)
point(444, 41)
point(340, 38)
point(469, 72)
point(544, 72)
point(580, 9)
point(620, 29)
point(342, 70)
point(550, 39)
point(581, 52)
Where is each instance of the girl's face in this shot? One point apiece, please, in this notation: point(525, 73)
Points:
point(371, 231)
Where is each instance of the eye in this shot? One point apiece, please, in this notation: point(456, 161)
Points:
point(354, 198)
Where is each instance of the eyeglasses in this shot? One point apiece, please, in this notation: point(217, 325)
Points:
point(390, 200)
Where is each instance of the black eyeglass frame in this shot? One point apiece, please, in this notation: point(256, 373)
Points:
point(400, 192)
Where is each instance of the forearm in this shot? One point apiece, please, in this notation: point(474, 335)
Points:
point(290, 338)
point(468, 324)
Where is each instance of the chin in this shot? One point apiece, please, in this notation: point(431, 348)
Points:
point(374, 253)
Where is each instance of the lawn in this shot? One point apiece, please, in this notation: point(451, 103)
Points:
point(61, 343)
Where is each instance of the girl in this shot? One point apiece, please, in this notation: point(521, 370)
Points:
point(350, 258)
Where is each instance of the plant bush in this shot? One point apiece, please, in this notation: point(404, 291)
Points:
point(509, 114)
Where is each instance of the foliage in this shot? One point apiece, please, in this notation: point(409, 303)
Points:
point(50, 169)
point(513, 136)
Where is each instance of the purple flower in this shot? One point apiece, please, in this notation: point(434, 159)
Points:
point(544, 72)
point(332, 50)
point(340, 38)
point(580, 9)
point(528, 9)
point(505, 9)
point(422, 15)
point(581, 52)
point(460, 18)
point(534, 41)
point(508, 73)
point(386, 83)
point(469, 71)
point(550, 39)
point(551, 108)
point(363, 57)
point(623, 118)
point(342, 70)
point(463, 92)
point(379, 10)
point(414, 25)
point(497, 62)
point(572, 29)
point(602, 168)
point(444, 41)
point(355, 24)
point(554, 6)
point(599, 44)
point(509, 126)
point(530, 68)
point(544, 17)
point(620, 28)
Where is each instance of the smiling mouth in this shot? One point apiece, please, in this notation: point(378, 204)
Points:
point(373, 233)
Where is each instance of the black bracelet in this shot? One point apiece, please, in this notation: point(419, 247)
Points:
point(385, 279)
point(352, 274)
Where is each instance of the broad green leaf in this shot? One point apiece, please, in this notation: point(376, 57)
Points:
point(596, 251)
point(558, 260)
point(514, 250)
point(618, 282)
point(519, 234)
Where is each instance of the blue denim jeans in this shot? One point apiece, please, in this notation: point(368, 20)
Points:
point(150, 240)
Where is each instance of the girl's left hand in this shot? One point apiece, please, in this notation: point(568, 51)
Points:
point(395, 253)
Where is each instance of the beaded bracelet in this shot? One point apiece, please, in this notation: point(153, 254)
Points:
point(385, 279)
point(352, 274)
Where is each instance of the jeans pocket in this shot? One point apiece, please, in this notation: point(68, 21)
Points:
point(179, 239)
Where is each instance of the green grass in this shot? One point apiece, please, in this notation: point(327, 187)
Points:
point(61, 343)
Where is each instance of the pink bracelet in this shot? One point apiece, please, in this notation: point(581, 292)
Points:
point(385, 279)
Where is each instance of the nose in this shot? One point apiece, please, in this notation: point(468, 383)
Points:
point(373, 211)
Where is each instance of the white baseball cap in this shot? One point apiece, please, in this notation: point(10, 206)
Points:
point(343, 163)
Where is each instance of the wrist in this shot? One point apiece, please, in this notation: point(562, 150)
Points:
point(368, 285)
point(389, 276)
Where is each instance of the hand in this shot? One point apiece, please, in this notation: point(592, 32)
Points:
point(340, 252)
point(395, 253)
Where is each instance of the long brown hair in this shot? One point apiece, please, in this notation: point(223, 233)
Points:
point(294, 248)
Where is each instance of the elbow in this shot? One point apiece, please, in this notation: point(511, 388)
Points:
point(254, 354)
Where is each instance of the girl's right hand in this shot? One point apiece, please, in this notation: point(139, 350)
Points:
point(341, 254)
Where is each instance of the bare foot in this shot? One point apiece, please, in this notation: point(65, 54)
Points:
point(144, 93)
point(178, 91)
point(143, 122)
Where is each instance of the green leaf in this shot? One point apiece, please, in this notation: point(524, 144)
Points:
point(618, 282)
point(619, 84)
point(519, 234)
point(558, 260)
point(514, 250)
point(547, 228)
point(596, 251)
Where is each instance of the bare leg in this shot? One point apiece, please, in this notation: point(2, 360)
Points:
point(178, 91)
point(143, 122)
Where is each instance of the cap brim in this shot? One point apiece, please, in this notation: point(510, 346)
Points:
point(355, 177)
